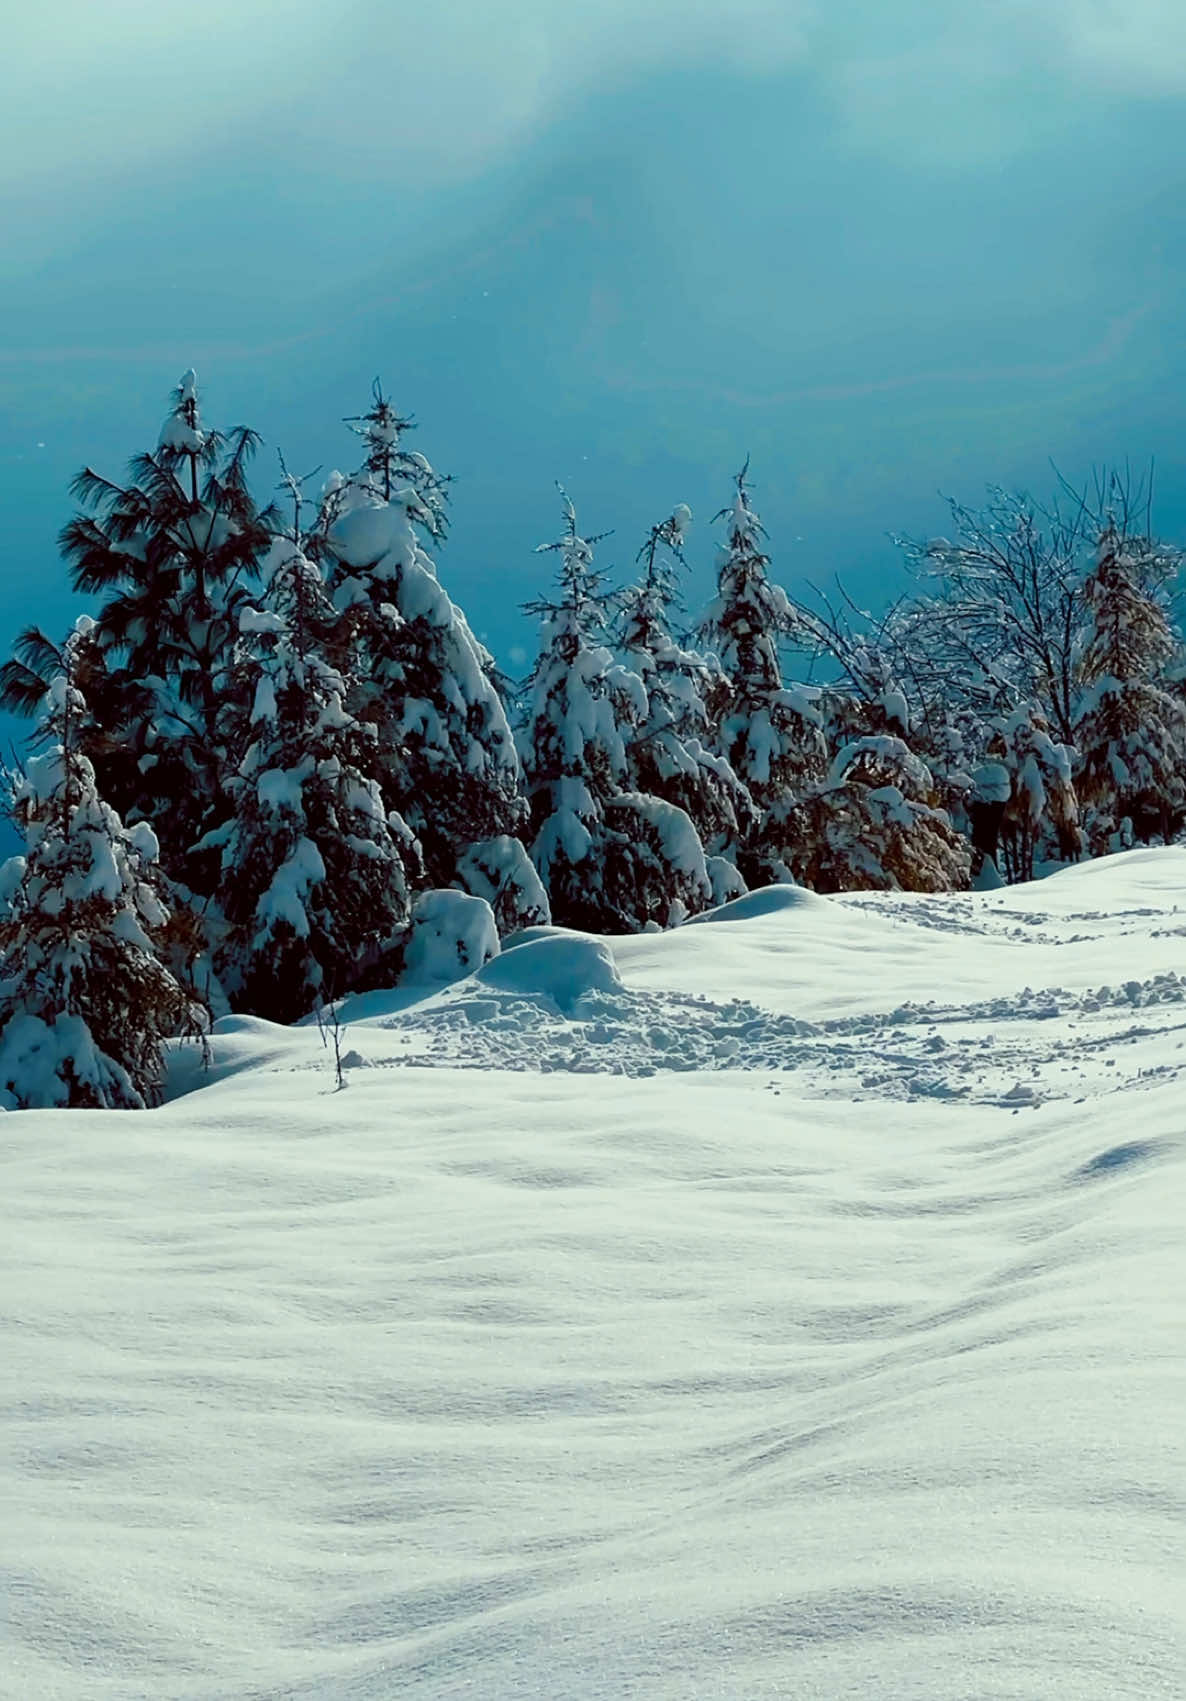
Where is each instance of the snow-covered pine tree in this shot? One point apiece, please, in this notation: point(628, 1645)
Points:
point(315, 873)
point(37, 660)
point(611, 858)
point(670, 754)
point(871, 704)
point(770, 733)
point(171, 551)
point(873, 825)
point(500, 871)
point(85, 1001)
point(951, 741)
point(447, 755)
point(1130, 731)
point(1041, 816)
point(389, 467)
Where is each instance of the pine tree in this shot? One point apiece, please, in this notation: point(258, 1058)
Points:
point(171, 551)
point(611, 858)
point(86, 1003)
point(1041, 816)
point(500, 871)
point(389, 467)
point(447, 755)
point(770, 733)
point(315, 874)
point(670, 755)
point(1130, 731)
point(36, 662)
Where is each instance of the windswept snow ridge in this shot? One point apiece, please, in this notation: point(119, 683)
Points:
point(783, 1308)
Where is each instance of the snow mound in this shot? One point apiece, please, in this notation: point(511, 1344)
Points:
point(767, 900)
point(257, 1025)
point(564, 969)
point(528, 935)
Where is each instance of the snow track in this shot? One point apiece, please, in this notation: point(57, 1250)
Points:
point(934, 1050)
point(801, 1317)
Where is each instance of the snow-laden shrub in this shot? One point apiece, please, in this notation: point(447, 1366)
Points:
point(671, 755)
point(1130, 730)
point(1041, 816)
point(872, 825)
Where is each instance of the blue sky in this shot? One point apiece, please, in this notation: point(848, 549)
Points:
point(885, 247)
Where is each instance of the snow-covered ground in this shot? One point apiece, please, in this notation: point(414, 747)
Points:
point(793, 1305)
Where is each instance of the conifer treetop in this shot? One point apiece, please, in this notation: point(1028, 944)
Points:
point(394, 471)
point(1131, 638)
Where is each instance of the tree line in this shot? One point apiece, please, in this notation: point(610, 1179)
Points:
point(275, 765)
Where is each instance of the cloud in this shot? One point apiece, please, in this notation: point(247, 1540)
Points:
point(944, 84)
point(90, 89)
point(1134, 46)
point(101, 90)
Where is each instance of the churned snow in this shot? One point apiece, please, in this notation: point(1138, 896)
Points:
point(790, 1305)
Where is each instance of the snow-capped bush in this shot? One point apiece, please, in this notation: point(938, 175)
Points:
point(1041, 816)
point(873, 825)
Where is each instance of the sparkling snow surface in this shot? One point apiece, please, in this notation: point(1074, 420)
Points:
point(803, 1316)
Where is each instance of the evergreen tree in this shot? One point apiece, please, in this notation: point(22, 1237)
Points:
point(85, 1001)
point(389, 467)
point(611, 858)
point(670, 755)
point(36, 662)
point(1130, 731)
point(171, 551)
point(1041, 815)
point(447, 758)
point(500, 871)
point(315, 874)
point(770, 733)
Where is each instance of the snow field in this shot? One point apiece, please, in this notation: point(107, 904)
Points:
point(669, 1317)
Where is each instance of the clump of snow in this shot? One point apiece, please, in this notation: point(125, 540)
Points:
point(991, 783)
point(564, 968)
point(767, 900)
point(988, 877)
point(286, 898)
point(452, 934)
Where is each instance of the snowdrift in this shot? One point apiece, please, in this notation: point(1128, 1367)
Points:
point(789, 1305)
